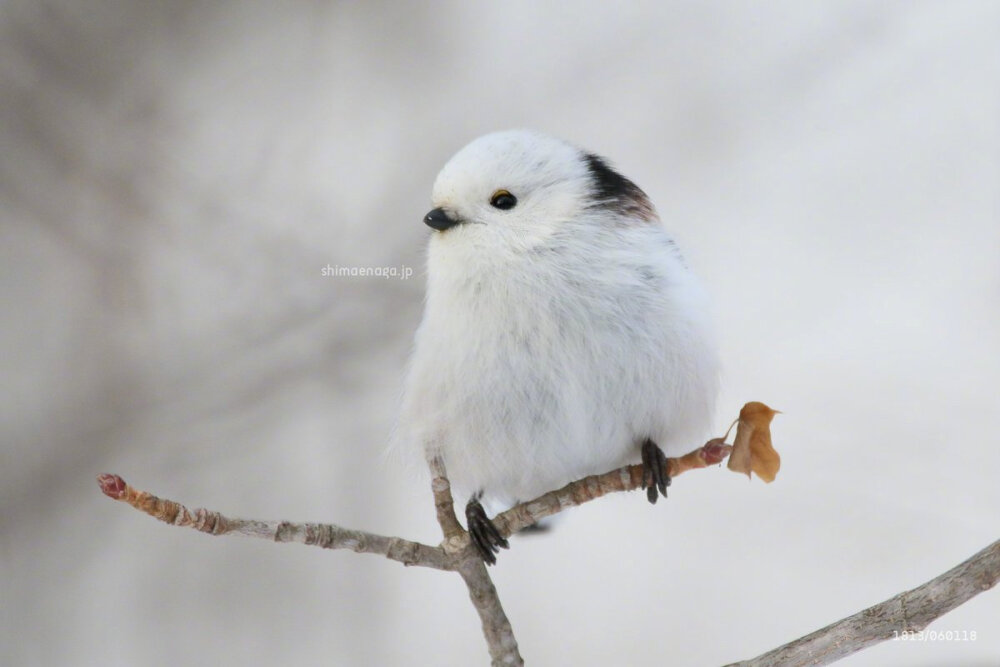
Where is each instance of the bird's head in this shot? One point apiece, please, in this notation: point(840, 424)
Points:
point(516, 189)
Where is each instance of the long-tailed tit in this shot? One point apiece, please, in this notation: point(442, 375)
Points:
point(563, 335)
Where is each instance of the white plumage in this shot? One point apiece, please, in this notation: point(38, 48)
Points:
point(559, 333)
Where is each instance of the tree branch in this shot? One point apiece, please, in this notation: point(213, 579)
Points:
point(909, 611)
point(455, 552)
point(499, 635)
point(590, 488)
point(324, 535)
point(444, 504)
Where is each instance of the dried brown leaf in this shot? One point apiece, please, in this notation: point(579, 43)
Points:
point(752, 449)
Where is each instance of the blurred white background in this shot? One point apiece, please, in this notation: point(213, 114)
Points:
point(174, 177)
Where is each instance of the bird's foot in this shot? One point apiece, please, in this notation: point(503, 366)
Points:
point(485, 536)
point(654, 471)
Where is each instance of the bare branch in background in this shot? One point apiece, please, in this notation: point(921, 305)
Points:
point(907, 612)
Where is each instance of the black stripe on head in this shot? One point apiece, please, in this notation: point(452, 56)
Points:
point(614, 192)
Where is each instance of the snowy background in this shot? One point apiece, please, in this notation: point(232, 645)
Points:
point(174, 177)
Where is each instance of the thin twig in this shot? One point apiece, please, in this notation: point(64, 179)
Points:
point(497, 630)
point(324, 535)
point(907, 612)
point(500, 639)
point(444, 504)
point(590, 488)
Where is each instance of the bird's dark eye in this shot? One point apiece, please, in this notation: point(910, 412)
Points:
point(503, 200)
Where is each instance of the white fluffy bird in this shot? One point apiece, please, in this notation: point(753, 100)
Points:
point(562, 336)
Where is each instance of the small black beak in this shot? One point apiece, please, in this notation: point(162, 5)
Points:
point(439, 220)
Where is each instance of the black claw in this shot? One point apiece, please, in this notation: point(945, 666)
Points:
point(654, 471)
point(538, 527)
point(485, 536)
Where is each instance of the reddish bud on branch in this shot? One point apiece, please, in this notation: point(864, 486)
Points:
point(113, 486)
